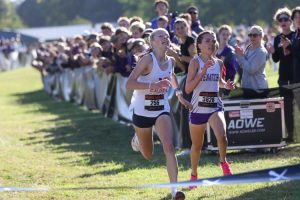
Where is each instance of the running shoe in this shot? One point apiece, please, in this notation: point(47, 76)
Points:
point(135, 145)
point(179, 195)
point(193, 178)
point(226, 168)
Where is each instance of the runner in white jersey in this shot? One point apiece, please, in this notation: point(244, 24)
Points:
point(150, 81)
point(204, 79)
point(155, 101)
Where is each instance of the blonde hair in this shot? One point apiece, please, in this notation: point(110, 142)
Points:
point(152, 35)
point(186, 16)
point(123, 18)
point(181, 21)
point(259, 29)
point(225, 27)
point(282, 11)
point(137, 25)
point(135, 19)
point(294, 11)
point(163, 18)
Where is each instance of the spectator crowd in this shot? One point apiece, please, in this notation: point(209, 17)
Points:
point(68, 66)
point(14, 54)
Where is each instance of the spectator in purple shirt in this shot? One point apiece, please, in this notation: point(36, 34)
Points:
point(226, 53)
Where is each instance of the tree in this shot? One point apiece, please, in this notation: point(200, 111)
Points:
point(3, 9)
point(8, 16)
point(59, 12)
point(32, 14)
point(216, 12)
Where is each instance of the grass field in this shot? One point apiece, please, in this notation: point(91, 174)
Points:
point(46, 143)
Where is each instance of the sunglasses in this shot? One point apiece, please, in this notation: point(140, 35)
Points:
point(193, 12)
point(254, 35)
point(283, 19)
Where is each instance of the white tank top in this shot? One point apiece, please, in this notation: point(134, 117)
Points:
point(152, 103)
point(206, 94)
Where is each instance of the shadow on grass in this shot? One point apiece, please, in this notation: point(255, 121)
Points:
point(99, 139)
point(284, 190)
point(102, 140)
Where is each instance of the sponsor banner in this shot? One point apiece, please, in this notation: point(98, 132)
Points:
point(257, 124)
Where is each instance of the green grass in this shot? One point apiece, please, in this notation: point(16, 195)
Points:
point(46, 143)
point(272, 76)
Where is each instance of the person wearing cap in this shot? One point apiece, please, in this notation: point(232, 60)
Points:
point(136, 48)
point(196, 24)
point(253, 62)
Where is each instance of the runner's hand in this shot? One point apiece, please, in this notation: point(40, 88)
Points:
point(185, 103)
point(161, 85)
point(229, 85)
point(208, 64)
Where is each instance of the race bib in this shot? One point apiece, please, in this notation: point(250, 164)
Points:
point(154, 102)
point(208, 99)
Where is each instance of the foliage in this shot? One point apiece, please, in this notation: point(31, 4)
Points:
point(216, 12)
point(8, 16)
point(57, 12)
point(79, 20)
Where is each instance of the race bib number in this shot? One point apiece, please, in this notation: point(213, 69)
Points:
point(208, 99)
point(154, 102)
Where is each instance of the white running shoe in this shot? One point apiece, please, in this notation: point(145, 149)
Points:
point(177, 194)
point(135, 143)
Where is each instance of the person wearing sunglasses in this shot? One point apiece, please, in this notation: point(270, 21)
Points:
point(285, 59)
point(196, 24)
point(253, 62)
